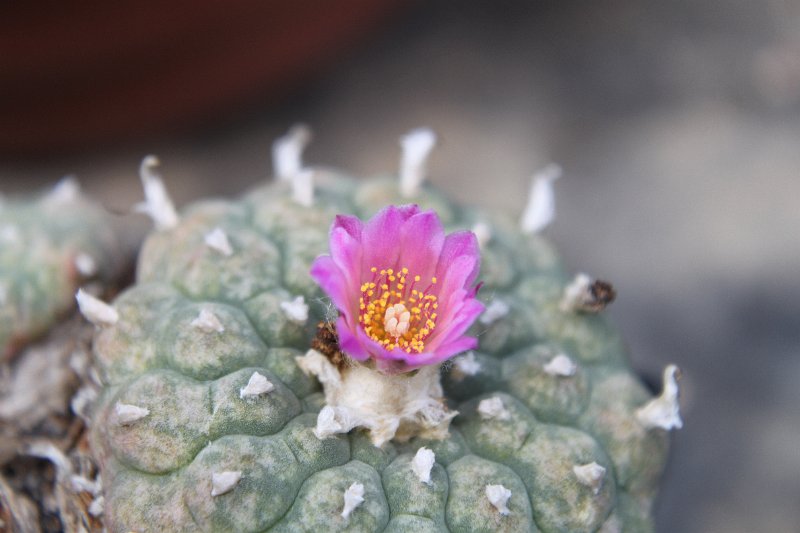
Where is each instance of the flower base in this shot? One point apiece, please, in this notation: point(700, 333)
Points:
point(388, 406)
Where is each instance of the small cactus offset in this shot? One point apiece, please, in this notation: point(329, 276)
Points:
point(217, 414)
point(49, 246)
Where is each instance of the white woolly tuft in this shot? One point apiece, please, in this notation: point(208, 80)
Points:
point(256, 386)
point(128, 414)
point(207, 321)
point(66, 191)
point(561, 365)
point(296, 310)
point(303, 187)
point(96, 507)
point(591, 475)
point(353, 497)
point(664, 411)
point(467, 364)
point(287, 152)
point(217, 240)
point(498, 496)
point(223, 482)
point(496, 310)
point(85, 264)
point(9, 233)
point(576, 292)
point(483, 233)
point(95, 310)
point(422, 464)
point(493, 409)
point(541, 208)
point(157, 203)
point(416, 147)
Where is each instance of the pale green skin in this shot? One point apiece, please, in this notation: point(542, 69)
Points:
point(37, 268)
point(157, 471)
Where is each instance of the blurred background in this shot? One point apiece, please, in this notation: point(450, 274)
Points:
point(677, 125)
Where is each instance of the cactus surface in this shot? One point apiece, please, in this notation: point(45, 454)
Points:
point(48, 247)
point(206, 423)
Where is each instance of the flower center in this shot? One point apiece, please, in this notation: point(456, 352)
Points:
point(394, 312)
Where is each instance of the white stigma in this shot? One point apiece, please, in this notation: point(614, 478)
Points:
point(493, 409)
point(416, 147)
point(303, 187)
point(128, 414)
point(256, 386)
point(561, 365)
point(353, 497)
point(287, 152)
point(296, 310)
point(498, 496)
point(496, 310)
point(157, 203)
point(224, 481)
point(207, 321)
point(483, 233)
point(66, 191)
point(541, 208)
point(422, 464)
point(467, 364)
point(85, 264)
point(591, 475)
point(95, 310)
point(217, 240)
point(664, 411)
point(396, 320)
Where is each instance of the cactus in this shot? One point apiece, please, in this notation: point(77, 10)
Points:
point(208, 422)
point(49, 246)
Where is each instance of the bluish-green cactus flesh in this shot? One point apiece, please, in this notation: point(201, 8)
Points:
point(157, 471)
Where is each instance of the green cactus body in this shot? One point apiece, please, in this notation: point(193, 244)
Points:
point(48, 247)
point(183, 445)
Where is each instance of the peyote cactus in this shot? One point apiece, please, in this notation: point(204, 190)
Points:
point(213, 418)
point(49, 246)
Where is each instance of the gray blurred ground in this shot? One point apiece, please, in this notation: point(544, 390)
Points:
point(678, 126)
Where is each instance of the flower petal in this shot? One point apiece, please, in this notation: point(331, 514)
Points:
point(421, 242)
point(328, 276)
point(349, 342)
point(459, 244)
point(381, 235)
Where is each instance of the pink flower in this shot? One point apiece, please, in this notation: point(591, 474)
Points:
point(403, 289)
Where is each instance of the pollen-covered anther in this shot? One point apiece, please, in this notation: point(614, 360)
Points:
point(218, 241)
point(223, 482)
point(394, 312)
point(498, 496)
point(493, 409)
point(353, 497)
point(590, 475)
point(664, 411)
